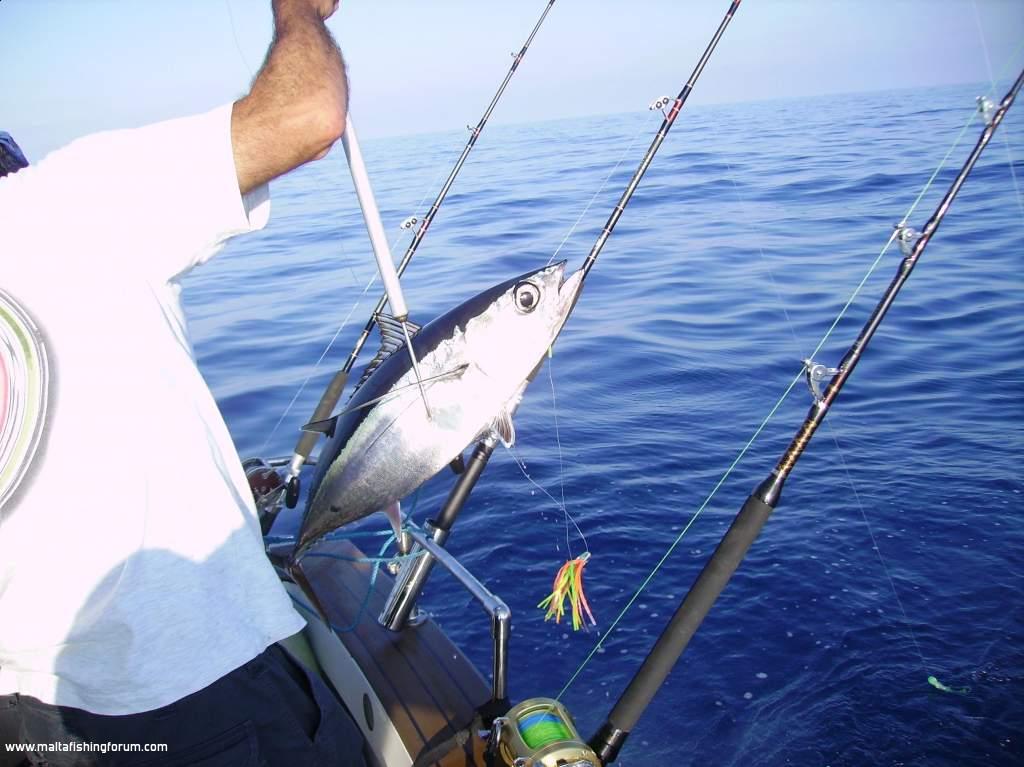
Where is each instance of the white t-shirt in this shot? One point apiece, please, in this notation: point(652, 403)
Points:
point(132, 570)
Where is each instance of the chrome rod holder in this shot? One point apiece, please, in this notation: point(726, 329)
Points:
point(400, 607)
point(501, 616)
point(412, 577)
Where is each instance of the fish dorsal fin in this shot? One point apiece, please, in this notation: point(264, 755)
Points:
point(325, 426)
point(503, 427)
point(391, 340)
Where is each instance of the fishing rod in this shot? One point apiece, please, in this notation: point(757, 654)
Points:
point(670, 118)
point(760, 504)
point(335, 388)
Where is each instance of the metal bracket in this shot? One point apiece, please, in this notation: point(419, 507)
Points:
point(987, 108)
point(907, 237)
point(816, 373)
point(501, 616)
point(409, 223)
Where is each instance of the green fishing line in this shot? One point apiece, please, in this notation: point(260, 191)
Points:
point(940, 686)
point(542, 728)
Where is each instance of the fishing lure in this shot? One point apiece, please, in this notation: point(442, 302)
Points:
point(569, 585)
point(940, 686)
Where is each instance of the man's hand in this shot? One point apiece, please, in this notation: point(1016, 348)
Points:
point(323, 8)
point(296, 108)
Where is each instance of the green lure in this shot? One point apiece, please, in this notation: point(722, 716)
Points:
point(940, 686)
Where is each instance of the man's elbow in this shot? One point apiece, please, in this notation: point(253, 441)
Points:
point(327, 124)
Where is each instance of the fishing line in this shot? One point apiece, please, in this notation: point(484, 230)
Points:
point(932, 680)
point(764, 259)
point(234, 34)
point(765, 421)
point(679, 538)
point(376, 562)
point(992, 80)
point(643, 130)
point(522, 467)
point(561, 463)
point(874, 540)
point(833, 432)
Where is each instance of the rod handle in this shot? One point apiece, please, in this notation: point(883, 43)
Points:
point(680, 630)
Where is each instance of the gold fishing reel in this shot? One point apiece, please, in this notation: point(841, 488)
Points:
point(539, 732)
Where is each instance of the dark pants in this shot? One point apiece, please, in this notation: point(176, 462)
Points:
point(268, 712)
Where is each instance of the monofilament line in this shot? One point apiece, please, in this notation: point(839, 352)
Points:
point(992, 82)
point(679, 538)
point(874, 542)
point(561, 462)
point(643, 130)
point(522, 467)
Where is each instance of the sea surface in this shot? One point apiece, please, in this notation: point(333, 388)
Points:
point(897, 551)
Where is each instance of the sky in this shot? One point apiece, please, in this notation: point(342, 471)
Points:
point(72, 67)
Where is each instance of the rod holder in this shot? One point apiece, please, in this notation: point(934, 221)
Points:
point(413, 576)
point(501, 616)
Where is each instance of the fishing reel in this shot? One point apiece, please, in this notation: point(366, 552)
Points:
point(538, 732)
point(267, 487)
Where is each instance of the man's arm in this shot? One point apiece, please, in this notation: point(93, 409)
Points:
point(296, 108)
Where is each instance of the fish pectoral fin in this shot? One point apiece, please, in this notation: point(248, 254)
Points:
point(503, 427)
point(325, 426)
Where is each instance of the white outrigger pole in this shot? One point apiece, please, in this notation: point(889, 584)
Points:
point(381, 250)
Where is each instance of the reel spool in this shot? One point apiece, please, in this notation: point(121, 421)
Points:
point(539, 732)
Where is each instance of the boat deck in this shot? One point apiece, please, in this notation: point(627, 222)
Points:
point(428, 688)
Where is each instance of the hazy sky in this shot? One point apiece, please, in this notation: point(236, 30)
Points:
point(71, 67)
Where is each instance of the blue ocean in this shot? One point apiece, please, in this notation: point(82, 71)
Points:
point(897, 551)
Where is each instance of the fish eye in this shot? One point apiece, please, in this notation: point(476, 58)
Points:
point(526, 296)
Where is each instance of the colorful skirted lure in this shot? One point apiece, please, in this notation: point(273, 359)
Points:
point(569, 585)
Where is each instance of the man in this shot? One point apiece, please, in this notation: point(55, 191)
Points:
point(136, 605)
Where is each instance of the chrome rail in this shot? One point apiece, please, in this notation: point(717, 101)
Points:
point(501, 616)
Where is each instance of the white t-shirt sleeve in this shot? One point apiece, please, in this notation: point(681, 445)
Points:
point(165, 196)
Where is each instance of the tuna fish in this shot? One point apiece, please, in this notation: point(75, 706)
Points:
point(475, 362)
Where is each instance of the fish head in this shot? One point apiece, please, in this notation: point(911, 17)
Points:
point(508, 328)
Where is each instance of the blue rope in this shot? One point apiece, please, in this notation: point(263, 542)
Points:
point(376, 561)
